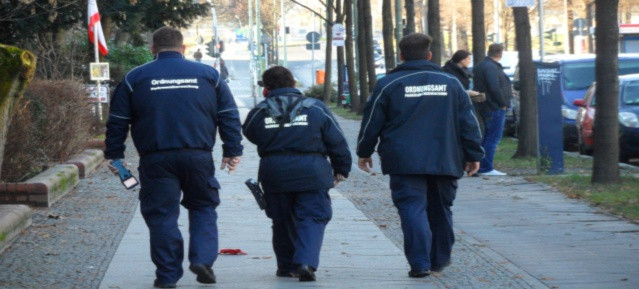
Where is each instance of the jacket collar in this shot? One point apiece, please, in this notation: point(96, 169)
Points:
point(283, 90)
point(488, 58)
point(169, 54)
point(416, 65)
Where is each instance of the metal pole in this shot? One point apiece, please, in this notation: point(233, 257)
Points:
point(251, 54)
point(496, 21)
point(454, 27)
point(97, 60)
point(541, 29)
point(217, 41)
point(258, 16)
point(313, 54)
point(566, 29)
point(398, 26)
point(284, 31)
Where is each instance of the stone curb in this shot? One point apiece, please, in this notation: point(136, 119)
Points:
point(43, 189)
point(96, 144)
point(13, 219)
point(87, 161)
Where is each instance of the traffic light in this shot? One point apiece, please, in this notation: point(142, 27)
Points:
point(211, 47)
point(220, 46)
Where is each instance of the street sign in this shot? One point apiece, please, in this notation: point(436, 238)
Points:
point(339, 34)
point(93, 95)
point(99, 70)
point(313, 37)
point(520, 3)
point(312, 46)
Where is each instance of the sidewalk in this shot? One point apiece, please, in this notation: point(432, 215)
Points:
point(356, 254)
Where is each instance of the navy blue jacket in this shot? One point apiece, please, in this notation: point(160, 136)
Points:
point(172, 103)
point(489, 77)
point(293, 157)
point(462, 74)
point(424, 122)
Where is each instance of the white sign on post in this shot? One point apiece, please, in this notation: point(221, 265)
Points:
point(339, 34)
point(520, 3)
point(93, 94)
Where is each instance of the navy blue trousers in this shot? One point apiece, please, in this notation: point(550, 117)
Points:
point(493, 132)
point(164, 176)
point(423, 203)
point(299, 220)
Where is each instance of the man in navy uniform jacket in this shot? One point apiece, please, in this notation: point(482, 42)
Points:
point(294, 136)
point(428, 136)
point(174, 108)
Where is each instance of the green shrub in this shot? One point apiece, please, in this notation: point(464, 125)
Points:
point(51, 124)
point(317, 91)
point(124, 57)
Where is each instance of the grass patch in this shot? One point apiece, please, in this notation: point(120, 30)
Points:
point(620, 199)
point(345, 112)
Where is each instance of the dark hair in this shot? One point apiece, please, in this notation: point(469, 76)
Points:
point(167, 38)
point(459, 55)
point(415, 46)
point(277, 77)
point(495, 50)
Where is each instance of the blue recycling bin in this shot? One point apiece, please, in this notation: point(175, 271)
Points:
point(549, 102)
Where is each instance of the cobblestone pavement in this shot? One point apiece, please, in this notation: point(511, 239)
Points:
point(70, 244)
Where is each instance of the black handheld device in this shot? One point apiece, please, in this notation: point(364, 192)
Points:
point(127, 179)
point(257, 192)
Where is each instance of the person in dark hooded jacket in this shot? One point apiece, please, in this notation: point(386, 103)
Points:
point(294, 136)
point(458, 67)
point(428, 136)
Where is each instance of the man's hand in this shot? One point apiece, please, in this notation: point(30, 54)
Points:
point(338, 178)
point(231, 163)
point(112, 168)
point(365, 164)
point(471, 168)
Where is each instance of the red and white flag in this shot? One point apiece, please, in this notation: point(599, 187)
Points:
point(94, 25)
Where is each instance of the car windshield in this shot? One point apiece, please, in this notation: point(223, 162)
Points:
point(579, 76)
point(630, 93)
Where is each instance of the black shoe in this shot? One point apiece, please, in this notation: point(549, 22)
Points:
point(418, 273)
point(157, 284)
point(438, 269)
point(204, 274)
point(286, 273)
point(306, 273)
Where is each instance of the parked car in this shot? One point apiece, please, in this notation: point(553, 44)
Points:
point(576, 74)
point(628, 118)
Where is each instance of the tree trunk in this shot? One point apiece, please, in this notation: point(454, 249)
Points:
point(606, 128)
point(363, 58)
point(387, 25)
point(479, 31)
point(18, 68)
point(350, 57)
point(527, 129)
point(434, 30)
point(570, 36)
point(339, 18)
point(329, 52)
point(370, 61)
point(410, 16)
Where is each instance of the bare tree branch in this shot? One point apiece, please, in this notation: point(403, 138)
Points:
point(313, 11)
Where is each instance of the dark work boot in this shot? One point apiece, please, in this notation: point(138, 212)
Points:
point(204, 273)
point(306, 273)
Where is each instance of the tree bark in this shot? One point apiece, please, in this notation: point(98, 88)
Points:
point(434, 30)
point(18, 68)
point(363, 58)
point(479, 31)
point(527, 129)
point(329, 52)
point(606, 127)
point(370, 61)
point(339, 18)
point(570, 36)
point(409, 5)
point(350, 57)
point(387, 25)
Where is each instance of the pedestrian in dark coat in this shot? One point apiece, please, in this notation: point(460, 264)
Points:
point(458, 67)
point(490, 78)
point(174, 108)
point(294, 136)
point(428, 136)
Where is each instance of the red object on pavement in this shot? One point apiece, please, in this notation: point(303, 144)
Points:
point(232, 252)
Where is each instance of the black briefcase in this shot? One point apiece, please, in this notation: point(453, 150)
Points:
point(257, 192)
